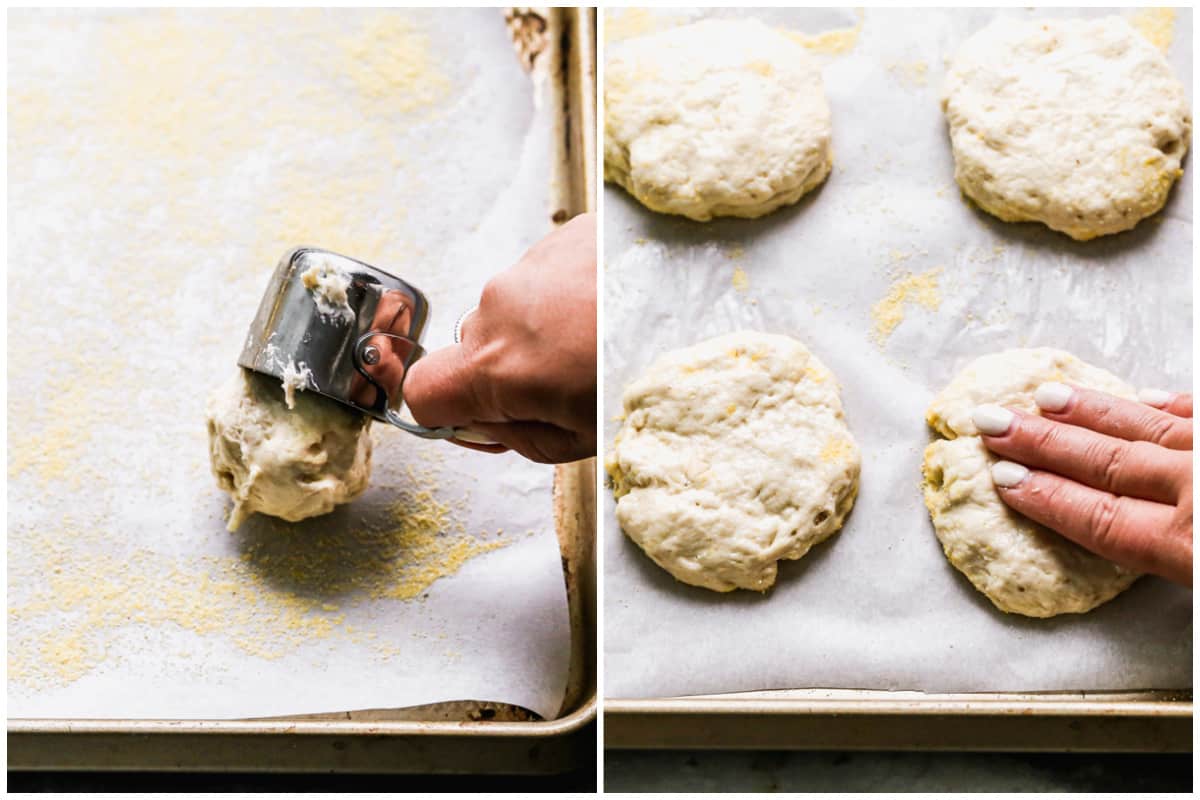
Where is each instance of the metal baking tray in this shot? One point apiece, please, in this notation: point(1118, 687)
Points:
point(457, 737)
point(849, 719)
point(816, 719)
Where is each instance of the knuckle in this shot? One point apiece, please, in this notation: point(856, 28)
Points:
point(1160, 428)
point(1045, 437)
point(1102, 521)
point(1101, 413)
point(1110, 462)
point(1054, 495)
point(494, 292)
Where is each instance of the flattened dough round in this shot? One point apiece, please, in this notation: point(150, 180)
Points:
point(1022, 567)
point(734, 453)
point(1075, 123)
point(720, 118)
point(290, 463)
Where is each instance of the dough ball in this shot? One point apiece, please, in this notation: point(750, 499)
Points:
point(721, 118)
point(734, 453)
point(293, 464)
point(1075, 123)
point(1022, 567)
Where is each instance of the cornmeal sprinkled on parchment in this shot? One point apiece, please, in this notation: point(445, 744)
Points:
point(832, 42)
point(741, 281)
point(627, 23)
point(182, 157)
point(1157, 25)
point(289, 586)
point(913, 74)
point(907, 290)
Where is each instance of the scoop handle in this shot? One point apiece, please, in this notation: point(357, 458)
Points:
point(418, 430)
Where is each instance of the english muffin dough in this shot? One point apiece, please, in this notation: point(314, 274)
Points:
point(718, 118)
point(734, 453)
point(1075, 123)
point(329, 285)
point(293, 464)
point(1022, 567)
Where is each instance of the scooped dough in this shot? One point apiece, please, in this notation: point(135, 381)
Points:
point(295, 377)
point(329, 285)
point(734, 453)
point(293, 464)
point(722, 117)
point(1022, 567)
point(1075, 123)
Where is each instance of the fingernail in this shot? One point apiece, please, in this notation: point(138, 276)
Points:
point(1154, 397)
point(473, 436)
point(991, 419)
point(1006, 474)
point(1053, 396)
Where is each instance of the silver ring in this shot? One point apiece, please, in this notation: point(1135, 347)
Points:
point(458, 325)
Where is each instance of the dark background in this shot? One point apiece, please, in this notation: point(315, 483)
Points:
point(695, 771)
point(844, 771)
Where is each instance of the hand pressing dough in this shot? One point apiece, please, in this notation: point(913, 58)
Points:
point(293, 464)
point(719, 118)
point(734, 453)
point(1022, 567)
point(1075, 123)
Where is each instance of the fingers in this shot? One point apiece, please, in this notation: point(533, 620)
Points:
point(440, 390)
point(1114, 416)
point(1178, 404)
point(1138, 469)
point(1132, 532)
point(537, 441)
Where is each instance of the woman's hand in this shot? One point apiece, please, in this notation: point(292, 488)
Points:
point(524, 374)
point(1112, 475)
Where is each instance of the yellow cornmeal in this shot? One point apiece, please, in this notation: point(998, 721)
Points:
point(832, 42)
point(913, 74)
point(289, 587)
point(1157, 25)
point(909, 289)
point(630, 22)
point(741, 281)
point(168, 111)
point(389, 60)
point(172, 94)
point(836, 450)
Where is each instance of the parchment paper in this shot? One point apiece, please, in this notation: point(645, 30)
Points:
point(878, 606)
point(160, 163)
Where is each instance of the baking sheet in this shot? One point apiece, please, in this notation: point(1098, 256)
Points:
point(160, 163)
point(878, 606)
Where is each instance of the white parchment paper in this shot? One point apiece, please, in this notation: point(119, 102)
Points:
point(160, 163)
point(878, 606)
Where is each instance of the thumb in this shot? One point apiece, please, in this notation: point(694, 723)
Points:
point(439, 390)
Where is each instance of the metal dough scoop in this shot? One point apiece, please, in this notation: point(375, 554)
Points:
point(336, 326)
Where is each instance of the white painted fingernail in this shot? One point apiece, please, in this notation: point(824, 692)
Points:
point(1006, 474)
point(1053, 396)
point(1154, 397)
point(991, 419)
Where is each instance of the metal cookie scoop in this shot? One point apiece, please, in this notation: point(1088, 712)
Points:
point(342, 328)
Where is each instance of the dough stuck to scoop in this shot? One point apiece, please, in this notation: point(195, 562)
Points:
point(720, 118)
point(734, 453)
point(292, 464)
point(1075, 123)
point(1022, 567)
point(329, 285)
